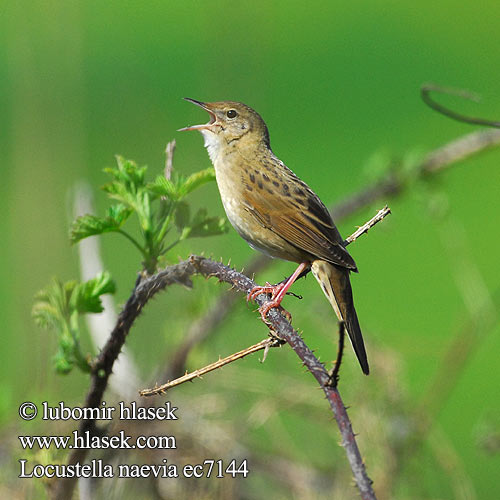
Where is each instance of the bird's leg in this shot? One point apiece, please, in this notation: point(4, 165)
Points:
point(303, 274)
point(277, 292)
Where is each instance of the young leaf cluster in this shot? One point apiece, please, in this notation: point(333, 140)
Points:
point(159, 206)
point(60, 305)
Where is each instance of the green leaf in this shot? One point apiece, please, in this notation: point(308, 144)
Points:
point(128, 173)
point(202, 225)
point(119, 213)
point(87, 295)
point(52, 303)
point(120, 192)
point(90, 225)
point(59, 305)
point(45, 314)
point(182, 216)
point(165, 187)
point(128, 181)
point(196, 180)
point(143, 208)
point(179, 187)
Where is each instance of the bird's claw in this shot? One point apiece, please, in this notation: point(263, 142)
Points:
point(273, 290)
point(272, 304)
point(267, 288)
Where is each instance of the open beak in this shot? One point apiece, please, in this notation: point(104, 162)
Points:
point(205, 126)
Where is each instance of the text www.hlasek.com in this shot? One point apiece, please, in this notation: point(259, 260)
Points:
point(87, 441)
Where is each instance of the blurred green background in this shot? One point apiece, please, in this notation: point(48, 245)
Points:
point(338, 85)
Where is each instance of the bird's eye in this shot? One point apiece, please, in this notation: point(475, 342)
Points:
point(231, 113)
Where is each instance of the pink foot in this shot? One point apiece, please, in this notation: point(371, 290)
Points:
point(277, 292)
point(276, 298)
point(274, 290)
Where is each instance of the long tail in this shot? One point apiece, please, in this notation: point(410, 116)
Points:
point(335, 283)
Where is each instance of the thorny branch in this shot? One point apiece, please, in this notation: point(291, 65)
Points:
point(145, 288)
point(103, 366)
point(284, 330)
point(365, 227)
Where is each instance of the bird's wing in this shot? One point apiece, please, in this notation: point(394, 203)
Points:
point(299, 217)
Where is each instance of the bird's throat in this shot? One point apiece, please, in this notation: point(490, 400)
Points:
point(213, 144)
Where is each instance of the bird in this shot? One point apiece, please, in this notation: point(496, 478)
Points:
point(276, 212)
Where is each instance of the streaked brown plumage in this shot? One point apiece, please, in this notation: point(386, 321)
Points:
point(275, 211)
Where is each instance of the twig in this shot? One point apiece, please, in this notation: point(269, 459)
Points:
point(394, 183)
point(334, 377)
point(390, 185)
point(169, 158)
point(365, 227)
point(464, 94)
point(263, 344)
point(459, 150)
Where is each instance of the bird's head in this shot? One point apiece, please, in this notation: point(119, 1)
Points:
point(231, 123)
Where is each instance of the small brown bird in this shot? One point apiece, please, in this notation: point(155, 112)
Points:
point(277, 213)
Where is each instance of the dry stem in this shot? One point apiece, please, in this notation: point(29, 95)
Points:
point(169, 158)
point(263, 344)
point(365, 227)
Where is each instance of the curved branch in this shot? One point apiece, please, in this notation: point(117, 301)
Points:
point(180, 273)
point(426, 90)
point(101, 370)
